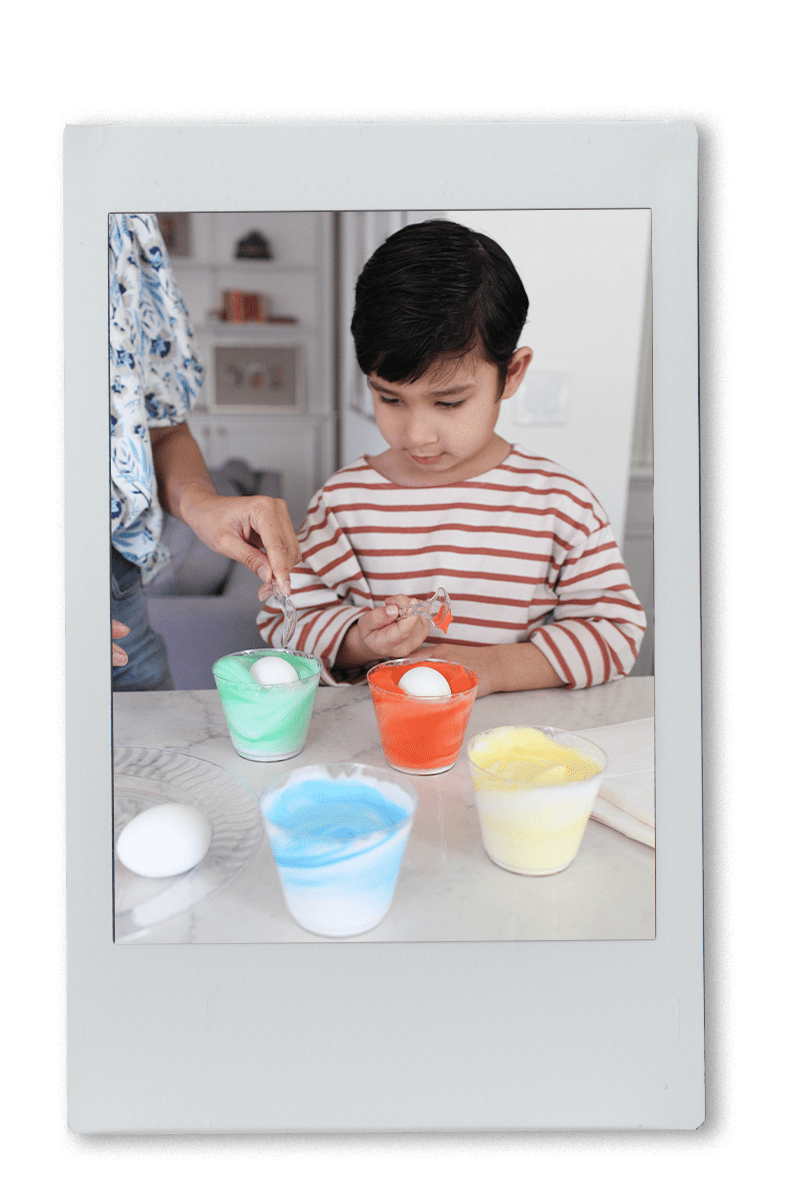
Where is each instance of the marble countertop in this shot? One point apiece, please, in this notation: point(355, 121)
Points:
point(448, 889)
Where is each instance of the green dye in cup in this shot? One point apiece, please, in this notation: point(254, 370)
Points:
point(267, 724)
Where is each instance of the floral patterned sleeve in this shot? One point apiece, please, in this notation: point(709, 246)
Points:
point(154, 378)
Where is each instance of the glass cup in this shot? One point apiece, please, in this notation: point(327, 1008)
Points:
point(421, 735)
point(534, 796)
point(338, 833)
point(266, 724)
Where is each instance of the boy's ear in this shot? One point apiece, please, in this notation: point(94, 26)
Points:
point(516, 370)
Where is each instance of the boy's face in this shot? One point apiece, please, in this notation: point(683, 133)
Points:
point(442, 427)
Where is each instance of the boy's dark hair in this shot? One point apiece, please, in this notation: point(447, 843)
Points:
point(434, 291)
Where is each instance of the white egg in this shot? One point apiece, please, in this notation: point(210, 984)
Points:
point(425, 682)
point(164, 840)
point(272, 669)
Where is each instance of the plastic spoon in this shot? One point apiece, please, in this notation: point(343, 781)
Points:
point(287, 606)
point(440, 618)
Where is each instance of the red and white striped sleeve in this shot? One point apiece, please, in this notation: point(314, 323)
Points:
point(328, 589)
point(598, 623)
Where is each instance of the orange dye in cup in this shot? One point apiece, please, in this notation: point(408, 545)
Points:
point(419, 735)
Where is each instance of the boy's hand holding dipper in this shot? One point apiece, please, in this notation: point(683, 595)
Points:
point(381, 633)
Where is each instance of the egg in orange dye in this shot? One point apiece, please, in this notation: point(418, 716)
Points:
point(422, 735)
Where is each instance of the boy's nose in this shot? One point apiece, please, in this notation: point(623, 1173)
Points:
point(420, 434)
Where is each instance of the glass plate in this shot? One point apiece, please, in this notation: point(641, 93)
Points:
point(144, 777)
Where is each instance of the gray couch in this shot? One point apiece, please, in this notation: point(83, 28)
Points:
point(203, 604)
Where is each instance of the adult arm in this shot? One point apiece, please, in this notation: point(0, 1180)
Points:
point(254, 530)
point(337, 619)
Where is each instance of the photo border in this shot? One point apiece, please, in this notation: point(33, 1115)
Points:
point(175, 203)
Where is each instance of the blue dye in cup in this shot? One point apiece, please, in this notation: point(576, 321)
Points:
point(338, 834)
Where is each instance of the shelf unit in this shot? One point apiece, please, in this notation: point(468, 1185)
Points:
point(298, 281)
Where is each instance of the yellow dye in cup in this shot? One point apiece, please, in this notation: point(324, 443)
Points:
point(534, 796)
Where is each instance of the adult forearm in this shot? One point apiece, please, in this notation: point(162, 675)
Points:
point(254, 530)
point(181, 472)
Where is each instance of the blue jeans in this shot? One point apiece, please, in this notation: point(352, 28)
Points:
point(147, 669)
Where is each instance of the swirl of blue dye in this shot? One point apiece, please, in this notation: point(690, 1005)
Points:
point(319, 822)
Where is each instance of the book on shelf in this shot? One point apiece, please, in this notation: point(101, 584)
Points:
point(247, 308)
point(242, 307)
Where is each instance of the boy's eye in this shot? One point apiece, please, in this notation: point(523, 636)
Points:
point(439, 403)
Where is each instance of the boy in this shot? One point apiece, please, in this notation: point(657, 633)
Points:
point(540, 595)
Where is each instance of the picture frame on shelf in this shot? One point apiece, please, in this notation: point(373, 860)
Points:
point(244, 377)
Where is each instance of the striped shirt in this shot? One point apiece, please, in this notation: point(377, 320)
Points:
point(524, 550)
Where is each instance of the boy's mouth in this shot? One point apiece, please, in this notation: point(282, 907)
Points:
point(426, 462)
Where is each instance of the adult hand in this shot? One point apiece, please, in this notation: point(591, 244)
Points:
point(119, 655)
point(254, 530)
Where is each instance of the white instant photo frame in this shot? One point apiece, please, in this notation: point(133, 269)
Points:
point(385, 1037)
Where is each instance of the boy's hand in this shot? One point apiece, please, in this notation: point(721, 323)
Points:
point(382, 633)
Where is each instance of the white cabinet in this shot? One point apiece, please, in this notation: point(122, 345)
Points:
point(298, 451)
point(298, 441)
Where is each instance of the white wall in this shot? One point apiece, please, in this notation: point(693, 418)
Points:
point(585, 273)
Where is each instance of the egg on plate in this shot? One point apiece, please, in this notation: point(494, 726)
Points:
point(167, 839)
